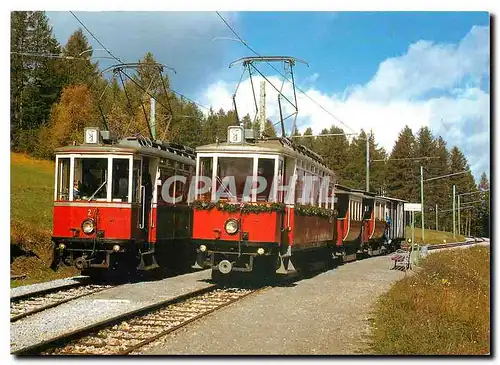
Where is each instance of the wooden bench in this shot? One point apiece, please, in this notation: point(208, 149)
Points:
point(401, 259)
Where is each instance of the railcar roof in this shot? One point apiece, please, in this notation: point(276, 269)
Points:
point(389, 198)
point(342, 189)
point(274, 146)
point(132, 146)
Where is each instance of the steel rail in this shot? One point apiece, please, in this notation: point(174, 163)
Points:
point(78, 333)
point(48, 290)
point(50, 304)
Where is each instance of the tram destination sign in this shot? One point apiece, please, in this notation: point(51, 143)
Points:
point(412, 207)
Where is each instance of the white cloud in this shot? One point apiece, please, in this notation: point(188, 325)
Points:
point(434, 85)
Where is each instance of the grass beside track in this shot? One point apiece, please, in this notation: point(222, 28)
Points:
point(32, 200)
point(434, 237)
point(443, 309)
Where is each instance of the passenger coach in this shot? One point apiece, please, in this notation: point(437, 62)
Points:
point(260, 203)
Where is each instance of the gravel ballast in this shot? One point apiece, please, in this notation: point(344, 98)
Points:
point(34, 288)
point(325, 314)
point(82, 312)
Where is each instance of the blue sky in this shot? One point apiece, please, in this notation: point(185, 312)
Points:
point(372, 70)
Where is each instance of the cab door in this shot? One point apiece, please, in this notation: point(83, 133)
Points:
point(137, 200)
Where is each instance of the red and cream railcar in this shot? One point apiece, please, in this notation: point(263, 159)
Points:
point(387, 223)
point(350, 210)
point(109, 211)
point(367, 223)
point(259, 203)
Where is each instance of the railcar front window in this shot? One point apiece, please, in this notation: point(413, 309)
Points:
point(204, 189)
point(265, 173)
point(63, 183)
point(234, 178)
point(120, 180)
point(91, 178)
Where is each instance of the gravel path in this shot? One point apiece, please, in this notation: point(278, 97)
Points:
point(326, 314)
point(33, 288)
point(82, 312)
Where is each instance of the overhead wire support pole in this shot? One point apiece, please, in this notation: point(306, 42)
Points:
point(367, 163)
point(422, 198)
point(458, 212)
point(453, 211)
point(437, 218)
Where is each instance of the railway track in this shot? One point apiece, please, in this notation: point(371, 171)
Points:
point(454, 244)
point(135, 331)
point(129, 334)
point(32, 303)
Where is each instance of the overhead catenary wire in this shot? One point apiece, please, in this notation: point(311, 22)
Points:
point(119, 60)
point(405, 158)
point(297, 87)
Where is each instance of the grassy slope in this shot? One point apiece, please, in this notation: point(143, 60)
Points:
point(433, 237)
point(443, 309)
point(32, 183)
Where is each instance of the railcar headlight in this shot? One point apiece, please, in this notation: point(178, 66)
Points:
point(62, 246)
point(260, 251)
point(231, 226)
point(116, 248)
point(203, 248)
point(88, 226)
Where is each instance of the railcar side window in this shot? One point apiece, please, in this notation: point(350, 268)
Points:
point(119, 188)
point(136, 181)
point(330, 197)
point(265, 170)
point(205, 173)
point(91, 176)
point(316, 186)
point(63, 183)
point(280, 181)
point(299, 185)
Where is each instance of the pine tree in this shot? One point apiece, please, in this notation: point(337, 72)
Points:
point(36, 81)
point(426, 147)
point(81, 70)
point(378, 168)
point(307, 141)
point(334, 150)
point(482, 221)
point(402, 175)
point(355, 169)
point(438, 192)
point(269, 129)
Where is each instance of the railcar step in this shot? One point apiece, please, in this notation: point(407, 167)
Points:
point(286, 267)
point(148, 261)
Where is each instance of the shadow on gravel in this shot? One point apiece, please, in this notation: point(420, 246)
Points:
point(120, 277)
point(254, 281)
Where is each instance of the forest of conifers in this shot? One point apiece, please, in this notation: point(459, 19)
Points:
point(54, 98)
